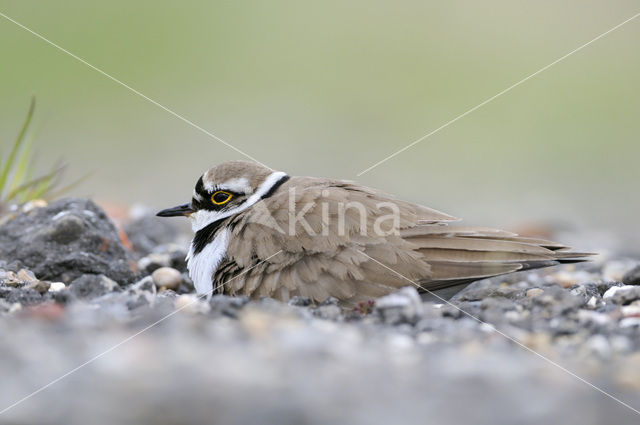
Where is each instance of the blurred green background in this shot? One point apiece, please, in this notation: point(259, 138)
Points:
point(329, 88)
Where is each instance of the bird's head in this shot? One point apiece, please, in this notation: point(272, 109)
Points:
point(226, 190)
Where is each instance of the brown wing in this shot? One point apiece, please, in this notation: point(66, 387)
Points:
point(329, 253)
point(459, 255)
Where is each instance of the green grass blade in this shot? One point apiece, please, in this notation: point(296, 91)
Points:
point(33, 184)
point(21, 172)
point(8, 166)
point(68, 187)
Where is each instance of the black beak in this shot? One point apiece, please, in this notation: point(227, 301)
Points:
point(184, 210)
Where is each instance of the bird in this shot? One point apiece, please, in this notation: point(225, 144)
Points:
point(262, 233)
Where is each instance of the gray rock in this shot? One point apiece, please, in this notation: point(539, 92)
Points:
point(24, 296)
point(148, 232)
point(403, 306)
point(632, 277)
point(298, 301)
point(476, 293)
point(328, 309)
point(223, 305)
point(622, 294)
point(65, 240)
point(586, 290)
point(90, 286)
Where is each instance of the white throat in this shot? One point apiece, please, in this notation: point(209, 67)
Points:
point(203, 265)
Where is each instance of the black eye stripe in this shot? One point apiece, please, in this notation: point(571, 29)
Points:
point(206, 204)
point(200, 188)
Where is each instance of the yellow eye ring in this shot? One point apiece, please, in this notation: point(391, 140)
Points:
point(220, 197)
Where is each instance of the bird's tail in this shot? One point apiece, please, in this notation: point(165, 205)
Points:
point(460, 255)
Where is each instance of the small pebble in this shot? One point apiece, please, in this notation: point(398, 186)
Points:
point(628, 322)
point(630, 310)
point(589, 316)
point(56, 286)
point(15, 307)
point(534, 292)
point(39, 286)
point(192, 304)
point(403, 306)
point(12, 280)
point(32, 205)
point(564, 279)
point(593, 302)
point(166, 277)
point(26, 276)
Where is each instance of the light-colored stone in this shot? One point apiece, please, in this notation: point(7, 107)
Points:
point(628, 322)
point(166, 277)
point(534, 292)
point(564, 279)
point(32, 205)
point(630, 310)
point(57, 286)
point(611, 291)
point(590, 316)
point(192, 304)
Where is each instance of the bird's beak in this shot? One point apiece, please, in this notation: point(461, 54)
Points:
point(184, 210)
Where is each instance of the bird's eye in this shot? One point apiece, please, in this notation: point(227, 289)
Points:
point(221, 197)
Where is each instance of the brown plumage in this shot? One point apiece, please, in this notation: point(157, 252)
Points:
point(336, 252)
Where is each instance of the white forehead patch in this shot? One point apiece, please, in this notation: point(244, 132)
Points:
point(197, 196)
point(208, 186)
point(238, 185)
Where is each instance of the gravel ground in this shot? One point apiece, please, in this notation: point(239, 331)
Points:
point(527, 348)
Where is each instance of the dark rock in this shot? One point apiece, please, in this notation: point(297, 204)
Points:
point(299, 301)
point(604, 286)
point(152, 262)
point(179, 259)
point(328, 312)
point(554, 302)
point(478, 293)
point(632, 277)
point(149, 231)
point(164, 256)
point(39, 286)
point(330, 301)
point(92, 286)
point(135, 302)
point(61, 297)
point(22, 296)
point(328, 309)
point(586, 290)
point(224, 305)
point(65, 240)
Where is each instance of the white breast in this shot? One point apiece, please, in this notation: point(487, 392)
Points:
point(203, 264)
